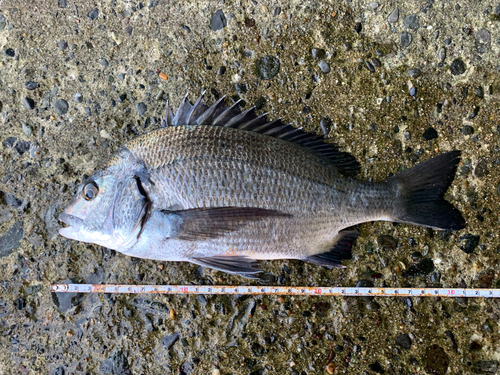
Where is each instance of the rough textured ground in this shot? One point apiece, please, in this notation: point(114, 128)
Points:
point(77, 79)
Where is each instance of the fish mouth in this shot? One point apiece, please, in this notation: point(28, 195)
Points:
point(74, 223)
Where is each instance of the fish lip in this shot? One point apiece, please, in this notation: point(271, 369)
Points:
point(71, 220)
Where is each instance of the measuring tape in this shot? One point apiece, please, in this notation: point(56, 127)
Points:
point(277, 290)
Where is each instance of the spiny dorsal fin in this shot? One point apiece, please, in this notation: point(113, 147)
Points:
point(220, 115)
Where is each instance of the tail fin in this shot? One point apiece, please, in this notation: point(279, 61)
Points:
point(421, 191)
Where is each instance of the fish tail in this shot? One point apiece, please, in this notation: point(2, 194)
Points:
point(420, 192)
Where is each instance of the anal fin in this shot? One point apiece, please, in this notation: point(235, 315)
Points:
point(341, 250)
point(235, 264)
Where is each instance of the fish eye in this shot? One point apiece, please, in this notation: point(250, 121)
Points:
point(90, 191)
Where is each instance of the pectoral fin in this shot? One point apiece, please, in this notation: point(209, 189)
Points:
point(235, 264)
point(206, 223)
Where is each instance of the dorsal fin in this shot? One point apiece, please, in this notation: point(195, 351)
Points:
point(220, 115)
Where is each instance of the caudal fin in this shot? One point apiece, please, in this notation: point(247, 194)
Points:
point(421, 190)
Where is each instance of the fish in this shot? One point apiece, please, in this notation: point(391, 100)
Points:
point(224, 188)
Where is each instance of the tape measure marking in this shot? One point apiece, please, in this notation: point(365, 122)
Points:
point(277, 290)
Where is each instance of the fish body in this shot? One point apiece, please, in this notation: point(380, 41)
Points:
point(223, 188)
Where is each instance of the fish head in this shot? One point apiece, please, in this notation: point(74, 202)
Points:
point(109, 209)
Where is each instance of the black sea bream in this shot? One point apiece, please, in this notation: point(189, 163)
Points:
point(222, 188)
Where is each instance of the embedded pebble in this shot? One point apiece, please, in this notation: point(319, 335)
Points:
point(406, 39)
point(78, 97)
point(468, 242)
point(141, 108)
point(441, 54)
point(430, 133)
point(104, 62)
point(374, 5)
point(377, 367)
point(31, 85)
point(394, 16)
point(9, 52)
point(218, 21)
point(267, 67)
point(27, 129)
point(169, 340)
point(116, 364)
point(485, 367)
point(436, 361)
point(403, 340)
point(457, 67)
point(11, 239)
point(324, 66)
point(61, 106)
point(411, 22)
point(318, 53)
point(425, 267)
point(325, 123)
point(93, 14)
point(62, 45)
point(414, 72)
point(29, 103)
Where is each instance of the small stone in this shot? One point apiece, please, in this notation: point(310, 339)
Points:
point(404, 341)
point(324, 66)
point(374, 5)
point(481, 169)
point(479, 92)
point(11, 239)
point(376, 367)
point(62, 45)
point(413, 92)
point(469, 241)
point(373, 306)
point(358, 27)
point(467, 130)
point(59, 371)
point(376, 62)
point(218, 21)
point(129, 30)
point(28, 130)
point(436, 360)
point(457, 67)
point(485, 367)
point(369, 66)
point(326, 124)
point(29, 103)
point(441, 54)
point(330, 368)
point(430, 133)
point(104, 62)
point(394, 16)
point(78, 97)
point(425, 267)
point(61, 106)
point(483, 40)
point(267, 67)
point(169, 340)
point(221, 70)
point(63, 3)
point(414, 72)
point(3, 22)
point(411, 22)
point(406, 39)
point(387, 242)
point(116, 364)
point(93, 14)
point(318, 53)
point(141, 108)
point(31, 85)
point(10, 52)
